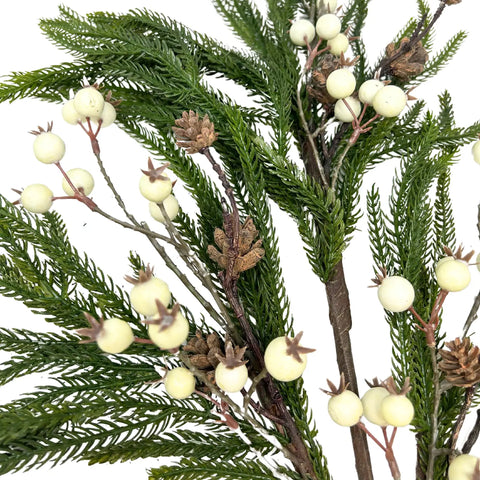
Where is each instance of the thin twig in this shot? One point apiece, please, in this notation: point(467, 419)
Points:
point(473, 435)
point(434, 417)
point(461, 417)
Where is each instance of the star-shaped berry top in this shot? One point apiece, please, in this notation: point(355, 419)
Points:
point(165, 317)
point(153, 173)
point(96, 327)
point(142, 277)
point(233, 357)
point(295, 349)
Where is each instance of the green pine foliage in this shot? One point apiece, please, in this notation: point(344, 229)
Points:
point(109, 408)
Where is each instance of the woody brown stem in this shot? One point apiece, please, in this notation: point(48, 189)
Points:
point(341, 321)
point(268, 392)
point(473, 435)
point(461, 417)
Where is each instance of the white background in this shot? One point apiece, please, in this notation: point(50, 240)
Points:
point(24, 48)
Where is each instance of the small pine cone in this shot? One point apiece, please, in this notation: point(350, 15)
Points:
point(318, 85)
point(460, 363)
point(202, 352)
point(194, 133)
point(410, 63)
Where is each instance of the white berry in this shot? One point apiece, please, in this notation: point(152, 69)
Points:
point(341, 83)
point(371, 401)
point(89, 102)
point(156, 191)
point(179, 383)
point(231, 380)
point(36, 198)
point(462, 467)
point(389, 101)
point(341, 111)
point(82, 179)
point(279, 364)
point(345, 409)
point(397, 410)
point(368, 90)
point(115, 336)
point(452, 275)
point(396, 294)
point(172, 336)
point(70, 114)
point(338, 44)
point(171, 207)
point(328, 26)
point(476, 151)
point(109, 115)
point(48, 147)
point(144, 294)
point(301, 29)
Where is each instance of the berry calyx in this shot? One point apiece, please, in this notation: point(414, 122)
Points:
point(343, 113)
point(169, 329)
point(328, 26)
point(47, 147)
point(396, 408)
point(327, 6)
point(299, 30)
point(344, 406)
point(395, 293)
point(36, 198)
point(368, 90)
point(81, 179)
point(146, 291)
point(112, 335)
point(154, 184)
point(171, 207)
point(464, 467)
point(390, 101)
point(285, 359)
point(341, 83)
point(338, 44)
point(231, 374)
point(89, 102)
point(179, 383)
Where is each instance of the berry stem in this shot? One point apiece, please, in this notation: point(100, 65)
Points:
point(362, 426)
point(77, 194)
point(143, 340)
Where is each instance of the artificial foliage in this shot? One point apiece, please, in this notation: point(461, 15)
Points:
point(238, 159)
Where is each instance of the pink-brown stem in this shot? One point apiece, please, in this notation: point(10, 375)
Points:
point(77, 194)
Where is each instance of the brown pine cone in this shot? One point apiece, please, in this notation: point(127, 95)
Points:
point(410, 63)
point(460, 363)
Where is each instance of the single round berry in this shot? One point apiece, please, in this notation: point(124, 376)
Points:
point(341, 111)
point(396, 294)
point(109, 115)
point(462, 467)
point(36, 198)
point(179, 383)
point(453, 275)
point(371, 401)
point(171, 337)
point(476, 151)
point(328, 26)
point(280, 364)
point(389, 101)
point(89, 102)
point(301, 29)
point(171, 207)
point(81, 179)
point(341, 83)
point(143, 296)
point(70, 114)
point(231, 380)
point(115, 336)
point(442, 261)
point(156, 191)
point(368, 90)
point(345, 409)
point(48, 147)
point(338, 44)
point(397, 410)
